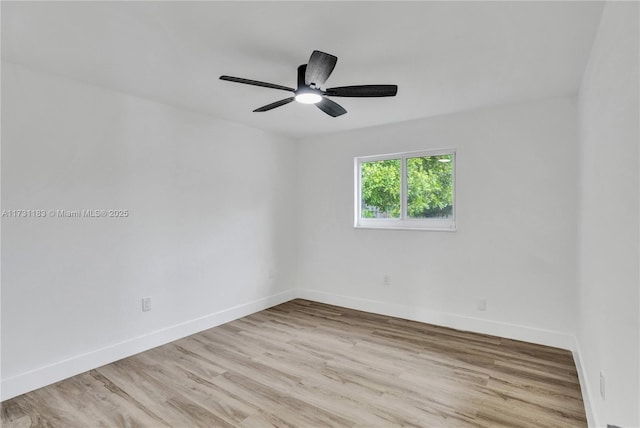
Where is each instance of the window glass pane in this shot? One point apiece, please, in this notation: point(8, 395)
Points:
point(430, 186)
point(380, 183)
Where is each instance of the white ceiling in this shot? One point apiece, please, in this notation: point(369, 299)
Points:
point(444, 56)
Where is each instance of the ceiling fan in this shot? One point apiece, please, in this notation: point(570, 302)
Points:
point(311, 79)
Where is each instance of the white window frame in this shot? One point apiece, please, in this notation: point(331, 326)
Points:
point(403, 223)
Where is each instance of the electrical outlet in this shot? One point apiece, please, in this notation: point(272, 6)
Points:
point(146, 304)
point(387, 280)
point(481, 304)
point(602, 385)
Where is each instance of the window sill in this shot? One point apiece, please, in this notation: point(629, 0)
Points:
point(406, 225)
point(421, 229)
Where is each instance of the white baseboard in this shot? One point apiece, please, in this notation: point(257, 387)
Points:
point(58, 371)
point(459, 322)
point(47, 375)
point(592, 420)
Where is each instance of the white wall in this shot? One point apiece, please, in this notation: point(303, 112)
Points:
point(608, 261)
point(222, 223)
point(209, 226)
point(517, 172)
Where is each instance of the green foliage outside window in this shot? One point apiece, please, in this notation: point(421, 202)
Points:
point(429, 187)
point(381, 189)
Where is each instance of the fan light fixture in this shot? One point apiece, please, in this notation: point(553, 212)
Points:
point(308, 98)
point(311, 79)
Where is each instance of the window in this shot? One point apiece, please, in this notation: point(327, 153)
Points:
point(406, 191)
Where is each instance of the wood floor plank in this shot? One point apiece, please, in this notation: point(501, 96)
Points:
point(307, 364)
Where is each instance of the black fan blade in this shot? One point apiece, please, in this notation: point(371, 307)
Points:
point(332, 108)
point(256, 83)
point(302, 71)
point(319, 68)
point(363, 91)
point(274, 105)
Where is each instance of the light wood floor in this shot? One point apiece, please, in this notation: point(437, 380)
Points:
point(305, 364)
